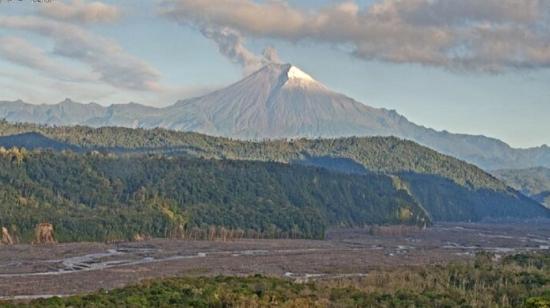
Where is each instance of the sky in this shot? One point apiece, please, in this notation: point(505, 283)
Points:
point(466, 66)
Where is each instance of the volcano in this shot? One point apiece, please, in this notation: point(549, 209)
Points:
point(280, 101)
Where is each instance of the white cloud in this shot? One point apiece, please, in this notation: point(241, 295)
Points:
point(81, 12)
point(22, 52)
point(478, 35)
point(105, 56)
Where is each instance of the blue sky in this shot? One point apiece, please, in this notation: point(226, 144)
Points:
point(492, 94)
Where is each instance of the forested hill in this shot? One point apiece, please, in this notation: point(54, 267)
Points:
point(447, 188)
point(534, 182)
point(378, 154)
point(97, 197)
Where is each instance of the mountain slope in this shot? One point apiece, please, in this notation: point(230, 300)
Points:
point(97, 197)
point(449, 189)
point(280, 101)
point(534, 182)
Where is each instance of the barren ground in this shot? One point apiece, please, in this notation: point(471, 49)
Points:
point(40, 271)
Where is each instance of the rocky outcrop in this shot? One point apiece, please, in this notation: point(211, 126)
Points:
point(44, 234)
point(6, 237)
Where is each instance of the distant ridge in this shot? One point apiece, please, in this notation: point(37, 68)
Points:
point(533, 182)
point(280, 101)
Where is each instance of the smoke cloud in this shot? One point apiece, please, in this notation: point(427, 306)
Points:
point(473, 35)
point(231, 44)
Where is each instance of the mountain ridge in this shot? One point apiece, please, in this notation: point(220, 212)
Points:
point(533, 182)
point(449, 189)
point(280, 101)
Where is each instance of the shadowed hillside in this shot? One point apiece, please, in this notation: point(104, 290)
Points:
point(97, 197)
point(448, 189)
point(534, 182)
point(32, 140)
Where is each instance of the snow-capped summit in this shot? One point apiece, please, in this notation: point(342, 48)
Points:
point(297, 78)
point(296, 73)
point(277, 101)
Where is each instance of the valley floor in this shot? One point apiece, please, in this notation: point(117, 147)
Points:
point(28, 272)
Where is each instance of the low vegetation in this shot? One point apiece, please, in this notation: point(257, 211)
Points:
point(514, 281)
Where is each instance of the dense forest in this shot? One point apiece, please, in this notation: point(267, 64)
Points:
point(104, 197)
point(378, 154)
point(514, 281)
point(448, 189)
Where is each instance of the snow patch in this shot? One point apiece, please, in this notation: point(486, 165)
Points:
point(296, 78)
point(296, 73)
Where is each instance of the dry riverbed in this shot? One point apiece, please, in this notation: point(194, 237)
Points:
point(39, 271)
